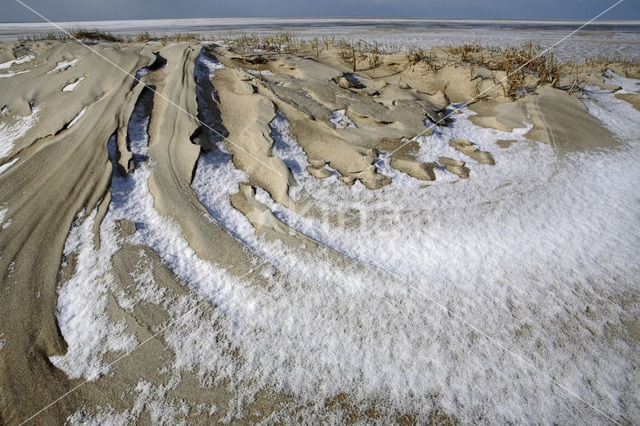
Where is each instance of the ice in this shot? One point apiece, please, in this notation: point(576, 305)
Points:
point(10, 132)
point(340, 119)
point(69, 87)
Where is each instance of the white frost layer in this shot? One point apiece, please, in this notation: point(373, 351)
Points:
point(82, 303)
point(63, 65)
point(9, 133)
point(5, 166)
point(340, 119)
point(77, 117)
point(21, 60)
point(69, 87)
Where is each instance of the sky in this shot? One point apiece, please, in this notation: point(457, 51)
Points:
point(94, 10)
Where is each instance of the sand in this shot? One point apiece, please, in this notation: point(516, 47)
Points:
point(62, 171)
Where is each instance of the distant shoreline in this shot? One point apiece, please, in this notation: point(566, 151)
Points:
point(328, 20)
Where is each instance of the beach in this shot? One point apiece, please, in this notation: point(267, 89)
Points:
point(265, 227)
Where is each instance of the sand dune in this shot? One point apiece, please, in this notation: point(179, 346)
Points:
point(290, 240)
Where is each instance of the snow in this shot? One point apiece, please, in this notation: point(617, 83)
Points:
point(257, 72)
point(3, 212)
point(20, 60)
point(77, 117)
point(11, 73)
point(487, 292)
point(629, 85)
point(142, 71)
point(69, 87)
point(10, 132)
point(82, 302)
point(149, 397)
point(63, 65)
point(340, 119)
point(5, 166)
point(287, 148)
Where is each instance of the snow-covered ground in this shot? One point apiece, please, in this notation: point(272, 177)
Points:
point(494, 293)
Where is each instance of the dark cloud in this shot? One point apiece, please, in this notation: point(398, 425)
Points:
point(76, 10)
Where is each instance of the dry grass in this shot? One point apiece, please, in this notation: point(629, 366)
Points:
point(97, 35)
point(524, 67)
point(79, 34)
point(275, 43)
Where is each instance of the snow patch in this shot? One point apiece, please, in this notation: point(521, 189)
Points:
point(63, 65)
point(9, 133)
point(340, 119)
point(257, 72)
point(629, 85)
point(69, 87)
point(21, 60)
point(5, 166)
point(77, 117)
point(82, 303)
point(11, 73)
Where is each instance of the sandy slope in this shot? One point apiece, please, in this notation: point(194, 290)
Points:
point(159, 247)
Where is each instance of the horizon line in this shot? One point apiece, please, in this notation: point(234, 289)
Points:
point(327, 18)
